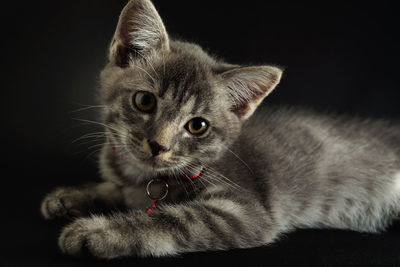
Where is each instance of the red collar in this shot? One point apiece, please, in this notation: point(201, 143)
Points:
point(191, 174)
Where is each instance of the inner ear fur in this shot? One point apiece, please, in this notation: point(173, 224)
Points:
point(248, 86)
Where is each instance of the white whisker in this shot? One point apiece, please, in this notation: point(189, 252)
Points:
point(148, 74)
point(233, 153)
point(87, 108)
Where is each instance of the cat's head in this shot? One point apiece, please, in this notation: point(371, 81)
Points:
point(170, 104)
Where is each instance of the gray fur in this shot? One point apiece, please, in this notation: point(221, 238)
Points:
point(263, 175)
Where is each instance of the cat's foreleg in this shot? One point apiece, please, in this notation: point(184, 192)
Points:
point(76, 201)
point(213, 224)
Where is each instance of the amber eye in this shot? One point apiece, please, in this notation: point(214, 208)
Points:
point(197, 126)
point(144, 101)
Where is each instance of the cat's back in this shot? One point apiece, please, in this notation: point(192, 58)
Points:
point(307, 130)
point(314, 165)
point(302, 148)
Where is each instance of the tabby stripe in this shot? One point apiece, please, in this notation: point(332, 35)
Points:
point(129, 114)
point(221, 240)
point(165, 85)
point(228, 195)
point(188, 216)
point(173, 223)
point(184, 90)
point(196, 106)
point(233, 221)
point(181, 96)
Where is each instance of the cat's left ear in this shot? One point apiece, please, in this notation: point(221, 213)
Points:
point(140, 31)
point(248, 86)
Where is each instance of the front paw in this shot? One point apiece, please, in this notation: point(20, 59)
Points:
point(65, 202)
point(95, 235)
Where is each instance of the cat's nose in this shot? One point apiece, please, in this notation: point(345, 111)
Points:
point(156, 148)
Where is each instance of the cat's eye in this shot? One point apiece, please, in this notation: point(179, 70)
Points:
point(197, 126)
point(144, 101)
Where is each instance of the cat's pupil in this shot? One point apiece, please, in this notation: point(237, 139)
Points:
point(198, 124)
point(145, 100)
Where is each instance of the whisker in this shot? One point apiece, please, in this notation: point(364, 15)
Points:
point(180, 182)
point(87, 108)
point(151, 77)
point(98, 139)
point(193, 165)
point(148, 62)
point(100, 124)
point(224, 179)
point(89, 135)
point(163, 59)
point(92, 153)
point(220, 181)
point(191, 182)
point(219, 174)
point(244, 163)
point(103, 144)
point(216, 176)
point(182, 171)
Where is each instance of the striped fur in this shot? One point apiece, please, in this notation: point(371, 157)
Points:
point(216, 223)
point(263, 174)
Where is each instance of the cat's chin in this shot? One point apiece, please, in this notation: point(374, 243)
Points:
point(150, 166)
point(156, 166)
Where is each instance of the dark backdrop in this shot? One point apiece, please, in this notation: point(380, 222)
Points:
point(338, 57)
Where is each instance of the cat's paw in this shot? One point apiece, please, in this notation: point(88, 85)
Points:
point(64, 202)
point(93, 235)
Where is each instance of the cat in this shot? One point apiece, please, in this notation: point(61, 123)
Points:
point(195, 170)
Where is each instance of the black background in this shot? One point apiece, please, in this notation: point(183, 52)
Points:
point(338, 57)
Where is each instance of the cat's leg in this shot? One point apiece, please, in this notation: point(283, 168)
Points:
point(208, 224)
point(76, 201)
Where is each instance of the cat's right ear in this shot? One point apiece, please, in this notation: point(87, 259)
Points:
point(140, 31)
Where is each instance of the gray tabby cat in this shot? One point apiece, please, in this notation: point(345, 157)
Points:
point(179, 124)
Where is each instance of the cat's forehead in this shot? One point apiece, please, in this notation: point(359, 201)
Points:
point(184, 87)
point(183, 77)
point(183, 82)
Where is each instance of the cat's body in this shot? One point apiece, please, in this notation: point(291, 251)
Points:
point(309, 170)
point(170, 108)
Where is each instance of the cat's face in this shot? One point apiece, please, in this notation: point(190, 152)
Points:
point(169, 112)
point(169, 104)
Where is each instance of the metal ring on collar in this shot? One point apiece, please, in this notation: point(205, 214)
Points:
point(158, 197)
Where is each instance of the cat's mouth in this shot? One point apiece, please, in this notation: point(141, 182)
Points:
point(145, 160)
point(155, 164)
point(163, 167)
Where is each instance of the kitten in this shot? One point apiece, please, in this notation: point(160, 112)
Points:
point(196, 171)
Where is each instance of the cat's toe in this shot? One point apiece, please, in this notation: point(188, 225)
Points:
point(53, 207)
point(94, 236)
point(73, 238)
point(62, 203)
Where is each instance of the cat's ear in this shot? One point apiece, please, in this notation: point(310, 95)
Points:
point(140, 31)
point(248, 86)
